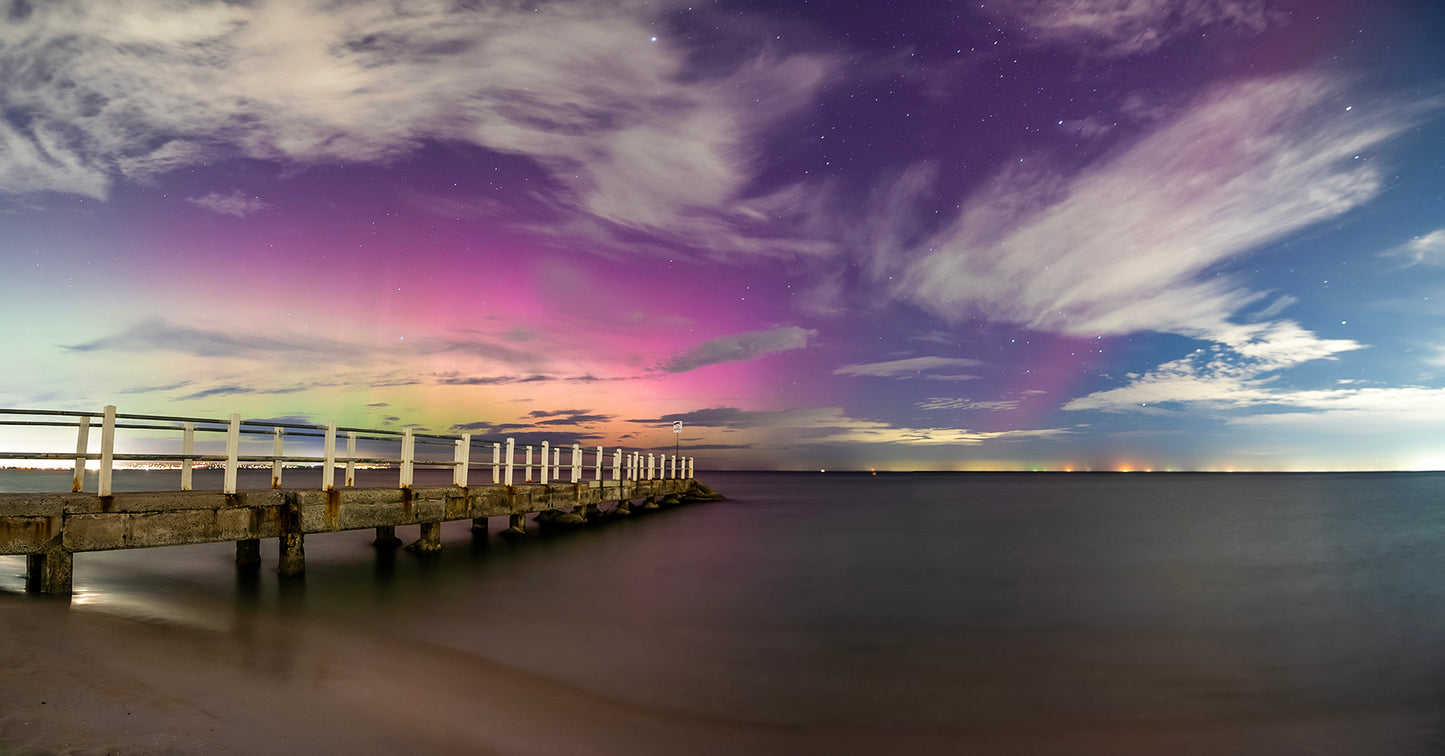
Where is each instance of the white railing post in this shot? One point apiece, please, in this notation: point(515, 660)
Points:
point(107, 450)
point(233, 451)
point(510, 444)
point(617, 465)
point(328, 467)
point(188, 448)
point(650, 468)
point(545, 465)
point(82, 446)
point(408, 456)
point(576, 462)
point(674, 467)
point(527, 477)
point(690, 473)
point(276, 447)
point(351, 459)
point(464, 459)
point(496, 462)
point(599, 463)
point(556, 462)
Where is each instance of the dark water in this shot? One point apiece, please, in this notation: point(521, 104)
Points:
point(1295, 613)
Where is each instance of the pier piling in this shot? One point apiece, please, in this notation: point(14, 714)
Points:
point(430, 540)
point(248, 553)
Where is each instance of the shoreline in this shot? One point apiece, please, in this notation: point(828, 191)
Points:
point(83, 681)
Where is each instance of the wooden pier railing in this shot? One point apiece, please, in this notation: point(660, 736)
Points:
point(504, 462)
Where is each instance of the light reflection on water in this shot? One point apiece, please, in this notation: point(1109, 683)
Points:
point(946, 602)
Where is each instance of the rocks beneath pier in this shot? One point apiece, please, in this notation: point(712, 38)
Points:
point(700, 492)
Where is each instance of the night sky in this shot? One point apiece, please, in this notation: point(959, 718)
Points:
point(1072, 234)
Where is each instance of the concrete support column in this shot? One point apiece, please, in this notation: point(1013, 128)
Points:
point(479, 525)
point(248, 553)
point(649, 503)
point(49, 571)
point(624, 507)
point(293, 555)
point(293, 540)
point(430, 540)
point(516, 526)
point(386, 537)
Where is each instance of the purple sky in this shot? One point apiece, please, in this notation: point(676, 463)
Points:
point(1086, 234)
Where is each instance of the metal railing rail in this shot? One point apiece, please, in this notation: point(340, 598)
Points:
point(626, 465)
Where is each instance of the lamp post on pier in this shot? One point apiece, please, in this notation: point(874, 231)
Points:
point(677, 436)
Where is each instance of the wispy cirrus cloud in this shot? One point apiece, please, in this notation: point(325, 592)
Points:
point(157, 334)
point(1122, 246)
point(739, 347)
point(235, 203)
point(636, 138)
point(931, 368)
point(1428, 249)
point(1127, 27)
point(947, 403)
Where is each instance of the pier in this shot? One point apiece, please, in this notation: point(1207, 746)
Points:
point(50, 528)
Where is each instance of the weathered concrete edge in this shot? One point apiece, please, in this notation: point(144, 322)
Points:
point(31, 523)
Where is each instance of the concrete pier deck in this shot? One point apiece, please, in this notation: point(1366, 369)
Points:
point(50, 528)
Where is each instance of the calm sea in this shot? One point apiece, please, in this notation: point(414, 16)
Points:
point(945, 613)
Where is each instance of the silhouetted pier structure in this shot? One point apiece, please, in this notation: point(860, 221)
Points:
point(49, 528)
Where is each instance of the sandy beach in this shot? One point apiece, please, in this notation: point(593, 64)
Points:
point(85, 682)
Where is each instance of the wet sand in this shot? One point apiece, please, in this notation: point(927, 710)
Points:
point(78, 681)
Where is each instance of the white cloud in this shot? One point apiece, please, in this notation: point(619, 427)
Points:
point(132, 88)
point(932, 368)
point(1128, 27)
point(1421, 250)
point(43, 161)
point(739, 348)
point(235, 203)
point(945, 403)
point(1121, 247)
point(1240, 375)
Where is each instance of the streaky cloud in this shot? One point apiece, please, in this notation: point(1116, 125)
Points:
point(912, 367)
point(1119, 28)
point(235, 204)
point(1121, 247)
point(1427, 249)
point(739, 348)
point(638, 138)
